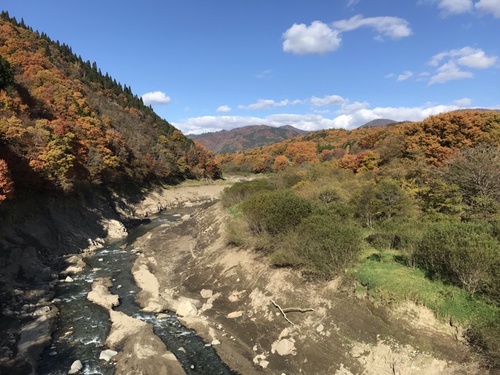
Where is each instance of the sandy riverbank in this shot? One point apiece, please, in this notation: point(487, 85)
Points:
point(232, 298)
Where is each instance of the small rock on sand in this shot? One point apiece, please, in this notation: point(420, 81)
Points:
point(284, 347)
point(235, 314)
point(206, 293)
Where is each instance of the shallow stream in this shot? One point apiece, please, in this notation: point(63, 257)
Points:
point(83, 327)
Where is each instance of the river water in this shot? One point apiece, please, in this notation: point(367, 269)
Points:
point(83, 327)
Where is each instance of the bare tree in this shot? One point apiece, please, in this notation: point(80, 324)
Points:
point(477, 172)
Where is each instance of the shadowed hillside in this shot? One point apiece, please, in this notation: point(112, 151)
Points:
point(64, 124)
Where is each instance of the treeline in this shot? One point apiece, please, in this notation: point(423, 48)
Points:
point(444, 220)
point(432, 141)
point(64, 124)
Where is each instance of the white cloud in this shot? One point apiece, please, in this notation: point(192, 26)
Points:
point(352, 3)
point(464, 102)
point(349, 117)
point(489, 6)
point(328, 100)
point(404, 76)
point(392, 27)
point(466, 56)
point(265, 74)
point(318, 38)
point(155, 97)
point(449, 72)
point(224, 109)
point(455, 6)
point(269, 103)
point(476, 59)
point(349, 108)
point(451, 64)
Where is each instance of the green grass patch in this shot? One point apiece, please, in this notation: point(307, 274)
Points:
point(390, 281)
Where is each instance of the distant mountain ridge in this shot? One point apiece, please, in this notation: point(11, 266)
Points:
point(378, 122)
point(246, 137)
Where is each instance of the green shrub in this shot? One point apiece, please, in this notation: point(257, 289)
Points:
point(275, 211)
point(326, 246)
point(290, 177)
point(484, 335)
point(339, 211)
point(461, 252)
point(241, 190)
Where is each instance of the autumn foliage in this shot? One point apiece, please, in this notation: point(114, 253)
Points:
point(64, 124)
point(433, 141)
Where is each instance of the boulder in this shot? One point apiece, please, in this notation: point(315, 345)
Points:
point(186, 309)
point(107, 354)
point(75, 367)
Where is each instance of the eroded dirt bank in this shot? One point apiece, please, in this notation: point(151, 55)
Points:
point(251, 312)
point(44, 240)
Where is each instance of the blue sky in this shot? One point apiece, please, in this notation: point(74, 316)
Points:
point(211, 65)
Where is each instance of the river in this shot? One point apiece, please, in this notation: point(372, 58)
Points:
point(83, 327)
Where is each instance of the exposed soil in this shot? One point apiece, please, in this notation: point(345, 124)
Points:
point(234, 298)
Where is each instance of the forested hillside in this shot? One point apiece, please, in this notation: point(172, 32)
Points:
point(64, 124)
point(432, 141)
point(246, 137)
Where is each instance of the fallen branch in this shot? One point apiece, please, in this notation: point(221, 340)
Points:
point(283, 313)
point(286, 310)
point(297, 309)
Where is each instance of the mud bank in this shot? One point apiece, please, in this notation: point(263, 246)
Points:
point(265, 320)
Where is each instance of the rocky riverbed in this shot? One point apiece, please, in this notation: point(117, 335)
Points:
point(266, 320)
point(258, 319)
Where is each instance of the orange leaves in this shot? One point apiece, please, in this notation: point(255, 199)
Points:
point(302, 152)
point(6, 183)
point(280, 163)
point(440, 136)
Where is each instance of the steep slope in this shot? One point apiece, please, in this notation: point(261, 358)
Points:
point(64, 124)
point(77, 151)
point(246, 137)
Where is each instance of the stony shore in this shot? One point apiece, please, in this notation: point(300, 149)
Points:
point(265, 320)
point(259, 319)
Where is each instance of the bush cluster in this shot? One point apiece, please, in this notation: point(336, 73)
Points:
point(464, 253)
point(322, 220)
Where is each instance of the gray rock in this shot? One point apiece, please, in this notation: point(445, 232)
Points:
point(107, 354)
point(41, 311)
point(75, 367)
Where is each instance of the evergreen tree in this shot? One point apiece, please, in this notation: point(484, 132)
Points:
point(6, 75)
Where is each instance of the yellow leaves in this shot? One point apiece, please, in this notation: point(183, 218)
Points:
point(11, 128)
